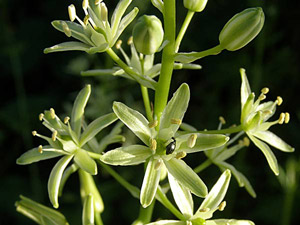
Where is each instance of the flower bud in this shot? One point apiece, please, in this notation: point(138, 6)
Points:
point(147, 34)
point(242, 28)
point(195, 5)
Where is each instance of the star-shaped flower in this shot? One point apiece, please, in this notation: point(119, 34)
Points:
point(254, 121)
point(162, 149)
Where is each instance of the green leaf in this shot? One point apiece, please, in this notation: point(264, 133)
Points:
point(175, 109)
point(118, 14)
point(186, 176)
point(55, 179)
point(273, 140)
point(229, 222)
point(126, 156)
point(182, 197)
point(78, 108)
point(150, 182)
point(134, 120)
point(245, 87)
point(67, 46)
point(96, 126)
point(88, 210)
point(267, 152)
point(34, 155)
point(85, 162)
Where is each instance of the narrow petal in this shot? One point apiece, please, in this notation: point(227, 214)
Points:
point(186, 176)
point(118, 14)
point(159, 4)
point(274, 140)
point(134, 120)
point(229, 222)
point(245, 87)
point(67, 46)
point(182, 197)
point(150, 183)
point(85, 162)
point(88, 210)
point(267, 152)
point(175, 109)
point(126, 156)
point(168, 222)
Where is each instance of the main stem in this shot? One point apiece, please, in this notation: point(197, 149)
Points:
point(163, 86)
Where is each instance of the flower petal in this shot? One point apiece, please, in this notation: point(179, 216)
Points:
point(168, 222)
point(117, 15)
point(126, 156)
point(273, 140)
point(150, 183)
point(267, 152)
point(67, 46)
point(245, 87)
point(229, 222)
point(85, 162)
point(134, 120)
point(175, 109)
point(186, 176)
point(88, 210)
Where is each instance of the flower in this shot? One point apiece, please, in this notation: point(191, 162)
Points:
point(254, 121)
point(212, 202)
point(94, 33)
point(68, 141)
point(154, 151)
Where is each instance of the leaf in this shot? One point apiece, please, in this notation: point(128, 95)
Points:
point(85, 162)
point(150, 183)
point(67, 46)
point(126, 156)
point(186, 176)
point(96, 126)
point(88, 211)
point(134, 120)
point(55, 179)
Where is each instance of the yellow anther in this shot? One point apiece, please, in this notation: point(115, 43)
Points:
point(85, 4)
point(204, 210)
point(222, 120)
point(66, 119)
point(262, 97)
point(287, 117)
point(153, 124)
point(52, 113)
point(246, 141)
point(118, 44)
point(130, 40)
point(158, 165)
point(72, 12)
point(66, 29)
point(241, 143)
point(86, 20)
point(103, 11)
point(192, 140)
point(40, 149)
point(97, 2)
point(41, 116)
point(281, 118)
point(34, 133)
point(265, 90)
point(176, 121)
point(54, 134)
point(222, 206)
point(267, 112)
point(279, 100)
point(153, 144)
point(180, 155)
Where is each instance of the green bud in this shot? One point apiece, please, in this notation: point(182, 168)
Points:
point(195, 5)
point(148, 34)
point(242, 28)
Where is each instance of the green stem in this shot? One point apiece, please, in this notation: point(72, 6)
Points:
point(146, 102)
point(98, 219)
point(163, 86)
point(203, 166)
point(230, 130)
point(287, 207)
point(165, 201)
point(145, 214)
point(183, 29)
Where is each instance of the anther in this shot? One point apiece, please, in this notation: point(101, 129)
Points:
point(222, 206)
point(157, 165)
point(66, 119)
point(153, 124)
point(41, 116)
point(222, 120)
point(40, 149)
point(54, 134)
point(176, 121)
point(287, 117)
point(180, 155)
point(192, 140)
point(85, 4)
point(130, 40)
point(118, 44)
point(72, 12)
point(153, 144)
point(66, 29)
point(86, 20)
point(279, 100)
point(267, 112)
point(52, 113)
point(265, 90)
point(103, 11)
point(246, 141)
point(34, 133)
point(281, 118)
point(204, 210)
point(262, 97)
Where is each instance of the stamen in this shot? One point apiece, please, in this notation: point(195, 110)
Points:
point(157, 165)
point(54, 135)
point(40, 149)
point(66, 29)
point(103, 12)
point(192, 140)
point(85, 4)
point(153, 124)
point(265, 90)
point(52, 113)
point(222, 206)
point(287, 117)
point(41, 116)
point(66, 119)
point(267, 112)
point(279, 100)
point(281, 118)
point(204, 210)
point(72, 12)
point(130, 40)
point(86, 20)
point(34, 133)
point(118, 44)
point(153, 144)
point(262, 97)
point(180, 155)
point(222, 120)
point(176, 121)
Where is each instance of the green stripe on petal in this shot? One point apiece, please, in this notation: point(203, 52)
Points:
point(267, 152)
point(134, 120)
point(85, 162)
point(126, 156)
point(186, 176)
point(150, 182)
point(273, 140)
point(229, 222)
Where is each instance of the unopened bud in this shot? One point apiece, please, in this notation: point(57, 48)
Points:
point(242, 28)
point(148, 34)
point(195, 5)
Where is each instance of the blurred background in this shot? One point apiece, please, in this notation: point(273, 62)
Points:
point(32, 82)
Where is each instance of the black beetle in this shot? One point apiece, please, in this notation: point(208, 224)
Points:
point(171, 146)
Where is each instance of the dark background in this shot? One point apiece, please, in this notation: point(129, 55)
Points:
point(32, 82)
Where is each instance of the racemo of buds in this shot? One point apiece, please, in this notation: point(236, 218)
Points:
point(195, 5)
